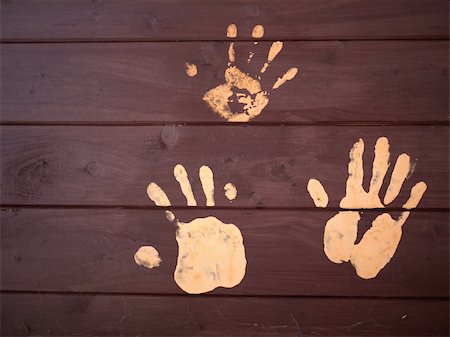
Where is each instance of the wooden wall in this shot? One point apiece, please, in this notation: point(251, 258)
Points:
point(95, 104)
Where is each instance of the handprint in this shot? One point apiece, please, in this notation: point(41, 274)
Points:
point(211, 253)
point(240, 86)
point(380, 242)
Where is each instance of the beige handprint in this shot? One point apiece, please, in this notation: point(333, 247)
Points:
point(240, 86)
point(380, 242)
point(211, 253)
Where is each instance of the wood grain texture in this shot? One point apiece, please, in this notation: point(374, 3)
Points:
point(53, 315)
point(96, 104)
point(84, 250)
point(270, 166)
point(387, 81)
point(187, 20)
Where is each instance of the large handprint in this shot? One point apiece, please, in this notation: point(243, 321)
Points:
point(211, 253)
point(380, 242)
point(240, 87)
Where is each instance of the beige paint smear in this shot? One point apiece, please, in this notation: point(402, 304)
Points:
point(340, 236)
point(157, 195)
point(399, 175)
point(211, 254)
point(148, 257)
point(231, 54)
point(380, 165)
point(254, 102)
point(417, 193)
point(377, 246)
point(170, 216)
point(274, 50)
point(356, 196)
point(289, 75)
point(207, 179)
point(250, 56)
point(191, 69)
point(230, 191)
point(317, 193)
point(231, 30)
point(182, 177)
point(258, 32)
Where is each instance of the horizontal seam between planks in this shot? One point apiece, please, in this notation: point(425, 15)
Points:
point(92, 293)
point(7, 207)
point(134, 40)
point(228, 124)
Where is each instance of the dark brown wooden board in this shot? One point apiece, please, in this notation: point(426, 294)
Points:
point(359, 81)
point(95, 104)
point(85, 250)
point(207, 20)
point(75, 315)
point(270, 166)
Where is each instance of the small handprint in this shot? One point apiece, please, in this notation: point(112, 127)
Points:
point(380, 242)
point(211, 253)
point(239, 86)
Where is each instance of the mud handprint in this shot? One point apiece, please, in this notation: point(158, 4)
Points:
point(239, 86)
point(211, 253)
point(380, 242)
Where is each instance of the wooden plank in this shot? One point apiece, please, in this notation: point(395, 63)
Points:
point(270, 166)
point(86, 250)
point(385, 81)
point(205, 20)
point(52, 315)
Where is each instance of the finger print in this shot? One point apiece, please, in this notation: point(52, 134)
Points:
point(417, 193)
point(157, 195)
point(230, 191)
point(317, 193)
point(380, 166)
point(148, 257)
point(274, 50)
point(182, 177)
point(232, 30)
point(258, 32)
point(289, 75)
point(191, 69)
point(399, 175)
point(207, 180)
